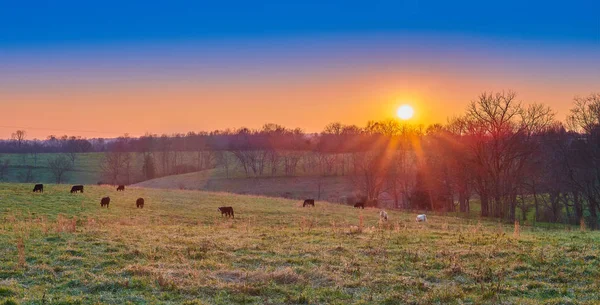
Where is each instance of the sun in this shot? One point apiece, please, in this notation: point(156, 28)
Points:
point(405, 112)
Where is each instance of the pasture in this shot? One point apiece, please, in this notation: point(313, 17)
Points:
point(62, 248)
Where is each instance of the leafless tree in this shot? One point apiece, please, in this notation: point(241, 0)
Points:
point(224, 160)
point(19, 137)
point(59, 166)
point(501, 132)
point(4, 168)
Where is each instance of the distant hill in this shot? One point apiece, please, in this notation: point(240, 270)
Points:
point(86, 168)
point(333, 188)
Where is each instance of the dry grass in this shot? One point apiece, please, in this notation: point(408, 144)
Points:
point(65, 249)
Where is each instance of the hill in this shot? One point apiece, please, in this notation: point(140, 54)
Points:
point(332, 188)
point(86, 167)
point(62, 248)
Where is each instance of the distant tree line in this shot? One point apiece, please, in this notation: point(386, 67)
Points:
point(514, 159)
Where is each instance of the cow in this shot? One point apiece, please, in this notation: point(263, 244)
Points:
point(308, 202)
point(104, 202)
point(383, 215)
point(77, 188)
point(227, 211)
point(139, 203)
point(360, 204)
point(421, 217)
point(120, 188)
point(38, 188)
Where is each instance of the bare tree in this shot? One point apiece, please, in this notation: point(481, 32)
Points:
point(36, 147)
point(224, 160)
point(148, 167)
point(583, 155)
point(4, 168)
point(27, 176)
point(502, 143)
point(114, 161)
point(19, 137)
point(59, 167)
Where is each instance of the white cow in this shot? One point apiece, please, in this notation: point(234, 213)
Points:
point(383, 215)
point(421, 217)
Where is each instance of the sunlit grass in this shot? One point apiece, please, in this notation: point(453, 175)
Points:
point(58, 247)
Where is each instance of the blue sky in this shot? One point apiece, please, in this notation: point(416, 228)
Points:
point(46, 23)
point(176, 66)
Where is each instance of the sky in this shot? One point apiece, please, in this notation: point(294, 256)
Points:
point(105, 68)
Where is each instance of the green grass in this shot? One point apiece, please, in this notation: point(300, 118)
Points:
point(87, 167)
point(85, 170)
point(62, 248)
point(333, 188)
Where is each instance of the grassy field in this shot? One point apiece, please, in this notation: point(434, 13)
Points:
point(86, 168)
point(62, 248)
point(333, 188)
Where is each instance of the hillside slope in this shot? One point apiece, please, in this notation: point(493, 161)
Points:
point(333, 189)
point(62, 248)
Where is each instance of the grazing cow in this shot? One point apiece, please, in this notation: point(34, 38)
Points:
point(120, 188)
point(38, 188)
point(421, 217)
point(360, 204)
point(383, 215)
point(227, 211)
point(308, 202)
point(104, 202)
point(77, 188)
point(139, 203)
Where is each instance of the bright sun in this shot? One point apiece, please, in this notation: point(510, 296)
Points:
point(405, 112)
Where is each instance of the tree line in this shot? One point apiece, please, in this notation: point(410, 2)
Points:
point(512, 158)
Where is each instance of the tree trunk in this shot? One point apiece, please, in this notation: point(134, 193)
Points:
point(484, 204)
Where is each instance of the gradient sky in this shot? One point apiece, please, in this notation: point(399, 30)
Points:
point(104, 68)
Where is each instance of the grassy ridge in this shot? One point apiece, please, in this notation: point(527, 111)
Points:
point(62, 248)
point(333, 188)
point(86, 168)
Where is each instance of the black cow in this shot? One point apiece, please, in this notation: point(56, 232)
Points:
point(38, 188)
point(360, 204)
point(308, 202)
point(77, 188)
point(227, 211)
point(104, 202)
point(139, 203)
point(120, 188)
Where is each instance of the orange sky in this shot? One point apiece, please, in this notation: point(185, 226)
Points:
point(63, 96)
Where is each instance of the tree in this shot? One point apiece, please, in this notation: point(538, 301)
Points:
point(36, 148)
point(223, 160)
point(19, 137)
point(4, 168)
point(114, 162)
point(148, 168)
point(59, 167)
point(582, 158)
point(501, 136)
point(27, 176)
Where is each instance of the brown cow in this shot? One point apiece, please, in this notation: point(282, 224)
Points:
point(139, 203)
point(77, 188)
point(104, 202)
point(38, 188)
point(227, 211)
point(308, 202)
